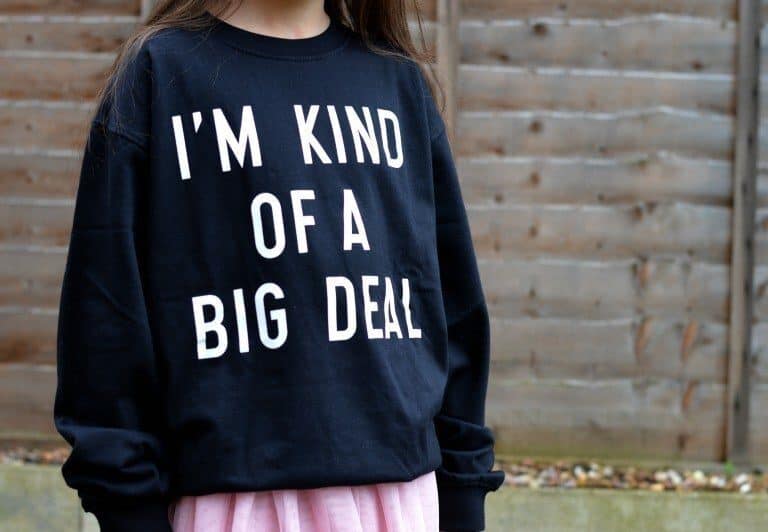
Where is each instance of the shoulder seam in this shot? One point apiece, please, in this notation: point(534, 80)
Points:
point(125, 135)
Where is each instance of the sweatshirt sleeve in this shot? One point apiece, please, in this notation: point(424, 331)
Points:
point(108, 399)
point(465, 475)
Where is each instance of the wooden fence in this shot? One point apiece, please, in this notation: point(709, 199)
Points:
point(607, 152)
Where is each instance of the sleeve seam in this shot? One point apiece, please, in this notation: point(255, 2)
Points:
point(125, 135)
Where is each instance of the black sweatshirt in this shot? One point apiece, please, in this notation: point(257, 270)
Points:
point(270, 283)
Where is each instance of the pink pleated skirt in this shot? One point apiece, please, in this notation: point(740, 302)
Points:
point(387, 507)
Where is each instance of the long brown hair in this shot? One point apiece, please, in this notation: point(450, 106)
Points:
point(376, 21)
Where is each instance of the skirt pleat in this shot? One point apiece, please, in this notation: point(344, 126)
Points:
point(387, 507)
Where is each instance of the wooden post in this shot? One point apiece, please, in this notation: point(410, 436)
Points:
point(743, 228)
point(146, 7)
point(448, 51)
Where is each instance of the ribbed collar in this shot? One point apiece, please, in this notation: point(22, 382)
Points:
point(333, 38)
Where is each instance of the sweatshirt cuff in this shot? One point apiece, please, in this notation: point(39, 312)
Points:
point(146, 517)
point(462, 508)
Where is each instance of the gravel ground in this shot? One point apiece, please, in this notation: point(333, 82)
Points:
point(535, 474)
point(562, 474)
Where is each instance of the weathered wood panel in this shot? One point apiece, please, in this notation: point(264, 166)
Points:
point(65, 33)
point(620, 418)
point(760, 299)
point(26, 399)
point(491, 87)
point(607, 349)
point(38, 174)
point(47, 125)
point(656, 43)
point(495, 9)
point(555, 133)
point(489, 181)
point(601, 232)
point(523, 9)
point(760, 352)
point(674, 290)
point(25, 223)
point(759, 421)
point(27, 337)
point(99, 7)
point(31, 278)
point(47, 76)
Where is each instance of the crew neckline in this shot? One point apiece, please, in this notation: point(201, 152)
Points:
point(332, 38)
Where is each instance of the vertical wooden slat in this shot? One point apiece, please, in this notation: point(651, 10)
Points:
point(146, 7)
point(448, 16)
point(743, 227)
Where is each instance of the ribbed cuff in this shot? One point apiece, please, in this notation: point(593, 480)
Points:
point(462, 508)
point(146, 517)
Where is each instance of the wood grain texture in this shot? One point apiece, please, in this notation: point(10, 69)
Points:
point(47, 76)
point(99, 7)
point(489, 181)
point(44, 125)
point(657, 43)
point(31, 278)
point(591, 290)
point(607, 9)
point(601, 232)
point(447, 47)
point(65, 34)
point(760, 352)
point(617, 418)
point(554, 133)
point(759, 421)
point(492, 87)
point(38, 174)
point(760, 286)
point(736, 447)
point(548, 348)
point(26, 398)
point(27, 337)
point(28, 223)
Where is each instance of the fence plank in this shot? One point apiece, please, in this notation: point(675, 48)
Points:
point(489, 181)
point(31, 278)
point(608, 349)
point(448, 14)
point(63, 34)
point(619, 418)
point(38, 174)
point(674, 290)
point(99, 7)
point(523, 9)
point(736, 447)
point(488, 87)
point(26, 398)
point(594, 134)
point(758, 421)
point(27, 337)
point(495, 9)
point(45, 76)
point(39, 224)
point(648, 43)
point(48, 125)
point(602, 232)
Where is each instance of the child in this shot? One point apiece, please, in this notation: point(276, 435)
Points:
point(271, 317)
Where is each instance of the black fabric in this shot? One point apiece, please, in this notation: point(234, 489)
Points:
point(146, 516)
point(270, 282)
